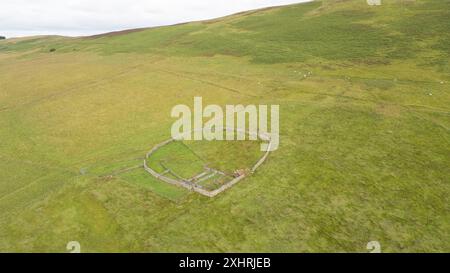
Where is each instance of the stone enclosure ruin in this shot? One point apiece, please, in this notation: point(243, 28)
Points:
point(194, 183)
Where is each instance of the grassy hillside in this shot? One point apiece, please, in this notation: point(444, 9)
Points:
point(364, 95)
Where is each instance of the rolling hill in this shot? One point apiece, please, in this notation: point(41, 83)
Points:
point(364, 95)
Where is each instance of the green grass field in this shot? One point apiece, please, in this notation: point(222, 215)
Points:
point(364, 95)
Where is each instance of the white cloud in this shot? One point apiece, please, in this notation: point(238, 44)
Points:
point(86, 17)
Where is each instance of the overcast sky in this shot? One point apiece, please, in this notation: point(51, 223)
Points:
point(87, 17)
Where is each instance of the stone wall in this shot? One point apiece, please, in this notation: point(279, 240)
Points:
point(192, 186)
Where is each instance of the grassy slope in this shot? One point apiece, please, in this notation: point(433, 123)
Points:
point(364, 149)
